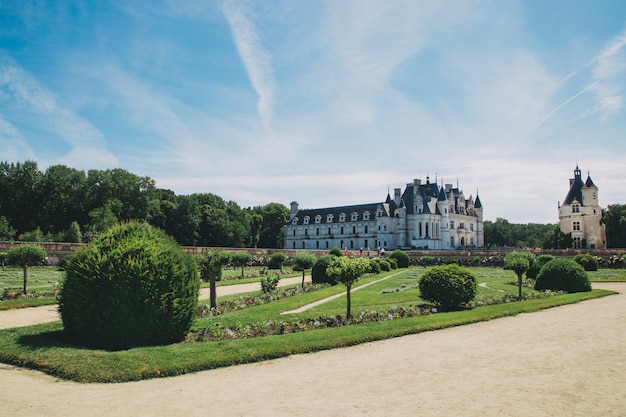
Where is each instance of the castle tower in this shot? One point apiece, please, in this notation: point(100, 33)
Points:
point(581, 215)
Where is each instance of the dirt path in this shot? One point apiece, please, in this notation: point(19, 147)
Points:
point(566, 361)
point(35, 315)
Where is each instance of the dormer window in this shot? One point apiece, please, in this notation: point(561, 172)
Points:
point(575, 208)
point(354, 216)
point(329, 218)
point(294, 221)
point(342, 217)
point(306, 219)
point(366, 215)
point(318, 219)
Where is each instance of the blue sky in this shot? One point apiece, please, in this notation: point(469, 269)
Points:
point(323, 102)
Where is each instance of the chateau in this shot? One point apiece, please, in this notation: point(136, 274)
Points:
point(581, 215)
point(424, 216)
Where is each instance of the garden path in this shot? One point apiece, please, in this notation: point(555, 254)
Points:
point(564, 361)
point(35, 315)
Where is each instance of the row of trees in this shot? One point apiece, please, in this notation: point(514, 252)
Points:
point(549, 236)
point(66, 204)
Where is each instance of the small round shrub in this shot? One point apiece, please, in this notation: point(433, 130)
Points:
point(427, 261)
point(335, 251)
point(448, 286)
point(374, 266)
point(318, 272)
point(401, 258)
point(133, 286)
point(588, 262)
point(563, 274)
point(385, 265)
point(276, 260)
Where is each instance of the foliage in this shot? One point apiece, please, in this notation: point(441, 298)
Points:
point(347, 271)
point(304, 261)
point(276, 260)
point(211, 263)
point(318, 272)
point(587, 261)
point(556, 239)
point(133, 286)
point(519, 262)
point(26, 255)
point(269, 284)
point(534, 269)
point(563, 274)
point(375, 266)
point(448, 286)
point(502, 233)
point(336, 251)
point(401, 257)
point(427, 261)
point(241, 259)
point(614, 218)
point(6, 231)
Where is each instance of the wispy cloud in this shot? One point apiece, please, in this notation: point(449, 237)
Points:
point(608, 72)
point(255, 57)
point(13, 144)
point(24, 92)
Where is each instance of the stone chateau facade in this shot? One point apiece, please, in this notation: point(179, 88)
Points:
point(581, 215)
point(423, 216)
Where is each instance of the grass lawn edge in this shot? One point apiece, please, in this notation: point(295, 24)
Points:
point(39, 348)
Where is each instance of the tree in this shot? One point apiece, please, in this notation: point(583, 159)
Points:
point(211, 263)
point(6, 231)
point(241, 259)
point(26, 255)
point(614, 217)
point(556, 239)
point(348, 271)
point(519, 262)
point(275, 216)
point(304, 261)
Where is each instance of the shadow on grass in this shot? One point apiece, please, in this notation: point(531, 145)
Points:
point(48, 339)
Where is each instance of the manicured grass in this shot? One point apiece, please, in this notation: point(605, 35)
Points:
point(41, 282)
point(42, 347)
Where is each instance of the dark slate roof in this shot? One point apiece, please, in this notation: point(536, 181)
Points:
point(477, 203)
point(589, 182)
point(336, 211)
point(575, 190)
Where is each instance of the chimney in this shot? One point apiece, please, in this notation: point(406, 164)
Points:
point(294, 209)
point(396, 195)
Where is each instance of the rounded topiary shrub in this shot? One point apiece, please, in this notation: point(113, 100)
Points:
point(335, 251)
point(401, 258)
point(318, 272)
point(534, 269)
point(563, 274)
point(448, 286)
point(374, 266)
point(133, 286)
point(588, 262)
point(276, 260)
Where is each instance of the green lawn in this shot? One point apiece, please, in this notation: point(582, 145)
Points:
point(42, 347)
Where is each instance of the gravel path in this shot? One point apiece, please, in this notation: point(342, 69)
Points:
point(565, 361)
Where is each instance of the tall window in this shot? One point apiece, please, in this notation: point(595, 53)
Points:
point(575, 208)
point(576, 226)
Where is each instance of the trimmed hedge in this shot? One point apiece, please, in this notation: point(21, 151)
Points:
point(563, 274)
point(318, 272)
point(133, 286)
point(401, 257)
point(588, 262)
point(448, 286)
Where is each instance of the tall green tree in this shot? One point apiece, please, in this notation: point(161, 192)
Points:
point(7, 232)
point(20, 194)
point(614, 218)
point(62, 191)
point(347, 271)
point(26, 255)
point(274, 216)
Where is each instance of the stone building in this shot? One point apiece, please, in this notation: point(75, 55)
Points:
point(424, 216)
point(581, 215)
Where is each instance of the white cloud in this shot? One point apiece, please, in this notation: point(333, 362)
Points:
point(13, 144)
point(25, 93)
point(608, 72)
point(255, 57)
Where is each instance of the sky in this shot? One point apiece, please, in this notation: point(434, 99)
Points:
point(327, 103)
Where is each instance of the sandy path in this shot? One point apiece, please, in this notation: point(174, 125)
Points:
point(35, 315)
point(566, 361)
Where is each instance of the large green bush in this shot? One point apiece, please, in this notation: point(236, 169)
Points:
point(401, 258)
point(276, 260)
point(448, 286)
point(133, 286)
point(318, 272)
point(534, 269)
point(587, 261)
point(563, 274)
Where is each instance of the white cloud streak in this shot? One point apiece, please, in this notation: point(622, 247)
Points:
point(26, 93)
point(256, 59)
point(610, 65)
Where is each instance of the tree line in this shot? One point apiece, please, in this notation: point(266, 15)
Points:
point(68, 205)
